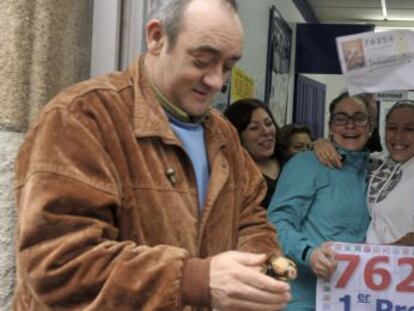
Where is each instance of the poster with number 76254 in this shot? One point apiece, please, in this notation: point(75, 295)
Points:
point(369, 277)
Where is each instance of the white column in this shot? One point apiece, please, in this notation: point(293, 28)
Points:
point(105, 36)
point(133, 30)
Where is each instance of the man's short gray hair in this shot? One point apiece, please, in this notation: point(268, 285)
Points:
point(170, 13)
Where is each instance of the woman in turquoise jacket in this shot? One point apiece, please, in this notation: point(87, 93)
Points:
point(314, 204)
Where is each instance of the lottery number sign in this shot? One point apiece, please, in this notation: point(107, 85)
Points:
point(369, 277)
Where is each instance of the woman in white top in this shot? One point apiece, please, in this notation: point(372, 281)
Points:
point(391, 186)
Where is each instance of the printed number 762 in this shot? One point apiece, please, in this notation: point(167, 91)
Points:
point(370, 270)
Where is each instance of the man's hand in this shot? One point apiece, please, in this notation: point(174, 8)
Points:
point(237, 283)
point(323, 261)
point(326, 153)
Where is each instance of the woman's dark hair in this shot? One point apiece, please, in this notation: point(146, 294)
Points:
point(285, 138)
point(240, 114)
point(341, 97)
point(406, 103)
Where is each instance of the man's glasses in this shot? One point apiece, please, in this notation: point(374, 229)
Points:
point(358, 119)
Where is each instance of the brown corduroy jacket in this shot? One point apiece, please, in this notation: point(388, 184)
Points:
point(103, 226)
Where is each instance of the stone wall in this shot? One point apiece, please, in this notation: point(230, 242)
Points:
point(9, 143)
point(45, 46)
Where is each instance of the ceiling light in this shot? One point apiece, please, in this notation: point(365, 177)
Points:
point(381, 28)
point(384, 9)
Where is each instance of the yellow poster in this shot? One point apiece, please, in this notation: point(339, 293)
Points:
point(242, 85)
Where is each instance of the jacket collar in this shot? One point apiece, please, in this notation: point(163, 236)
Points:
point(149, 117)
point(357, 159)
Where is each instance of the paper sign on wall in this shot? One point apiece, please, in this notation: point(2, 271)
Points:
point(242, 85)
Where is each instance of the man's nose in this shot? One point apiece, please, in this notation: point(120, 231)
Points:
point(215, 79)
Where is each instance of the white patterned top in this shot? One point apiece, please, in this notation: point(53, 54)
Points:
point(391, 202)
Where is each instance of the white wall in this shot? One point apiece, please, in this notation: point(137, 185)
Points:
point(255, 19)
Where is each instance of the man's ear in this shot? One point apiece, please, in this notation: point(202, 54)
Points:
point(155, 36)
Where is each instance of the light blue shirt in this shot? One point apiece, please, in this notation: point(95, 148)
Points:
point(192, 138)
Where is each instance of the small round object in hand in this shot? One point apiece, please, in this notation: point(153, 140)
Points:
point(282, 269)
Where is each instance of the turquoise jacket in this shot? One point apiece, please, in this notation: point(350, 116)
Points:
point(313, 204)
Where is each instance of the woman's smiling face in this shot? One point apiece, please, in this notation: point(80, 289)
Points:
point(259, 137)
point(399, 134)
point(351, 135)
